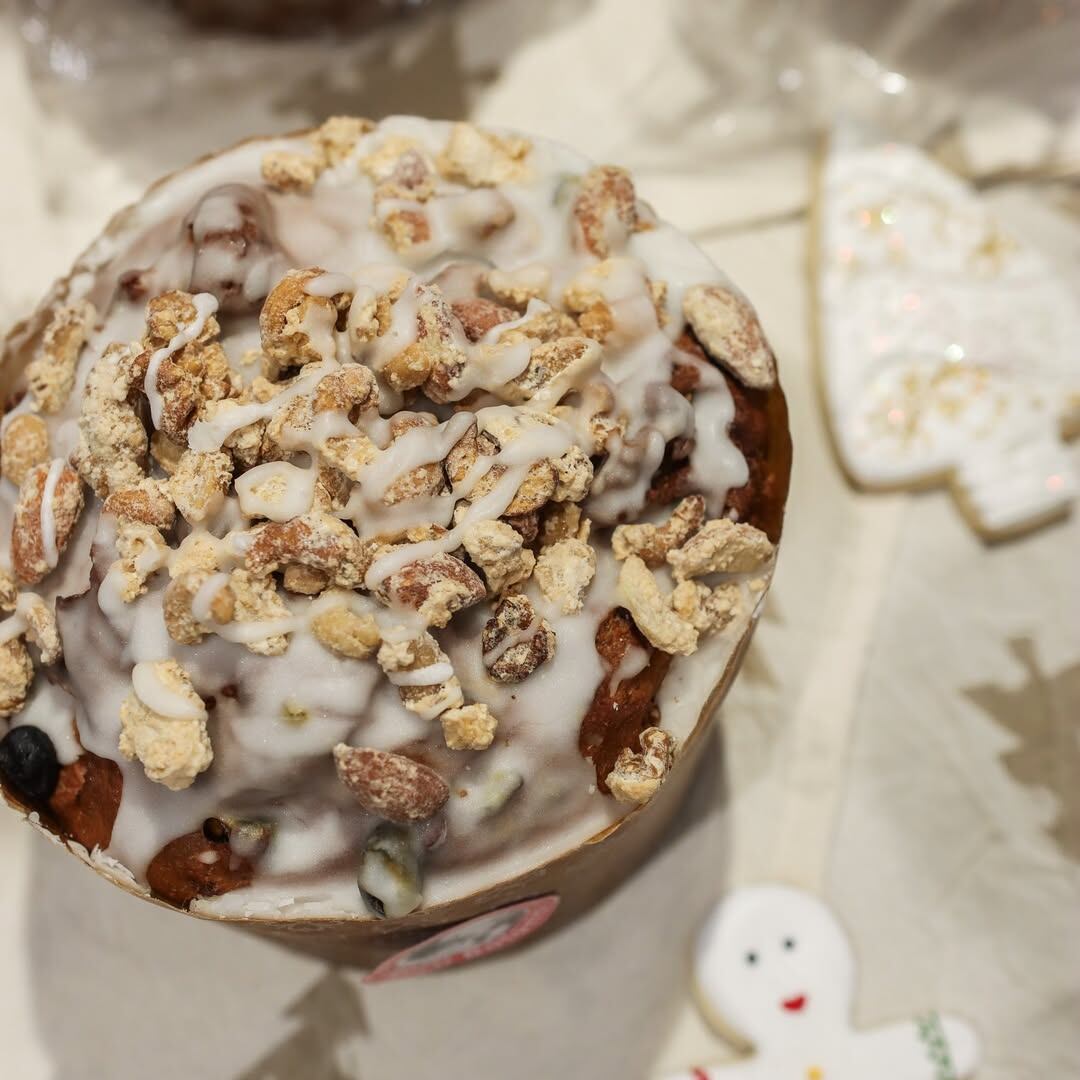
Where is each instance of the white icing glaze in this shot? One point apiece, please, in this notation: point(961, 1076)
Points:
point(205, 306)
point(276, 490)
point(48, 513)
point(161, 698)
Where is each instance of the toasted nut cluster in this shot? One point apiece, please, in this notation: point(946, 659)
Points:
point(147, 502)
point(173, 744)
point(470, 727)
point(637, 777)
point(16, 676)
point(707, 610)
point(435, 359)
point(199, 483)
point(296, 325)
point(391, 786)
point(180, 620)
point(23, 445)
point(316, 540)
point(143, 551)
point(553, 369)
point(51, 374)
point(112, 451)
point(652, 612)
point(436, 588)
point(332, 143)
point(482, 159)
point(564, 572)
point(258, 601)
point(562, 521)
point(721, 547)
point(516, 288)
point(401, 170)
point(653, 542)
point(50, 502)
point(478, 316)
point(515, 642)
point(41, 628)
point(727, 327)
point(606, 210)
point(500, 552)
point(348, 632)
point(421, 671)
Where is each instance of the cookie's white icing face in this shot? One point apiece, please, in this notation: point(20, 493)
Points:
point(949, 348)
point(772, 962)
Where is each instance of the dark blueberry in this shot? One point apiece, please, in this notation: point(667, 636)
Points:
point(215, 830)
point(374, 904)
point(28, 763)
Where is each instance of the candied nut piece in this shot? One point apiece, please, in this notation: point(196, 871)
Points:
point(421, 481)
point(562, 521)
point(499, 550)
point(192, 866)
point(336, 138)
point(86, 799)
point(148, 502)
point(290, 170)
point(436, 358)
point(573, 476)
point(317, 540)
point(351, 389)
point(477, 316)
point(303, 580)
point(436, 588)
point(515, 642)
point(297, 324)
point(482, 159)
point(257, 601)
point(192, 599)
point(405, 228)
point(728, 328)
point(163, 725)
point(24, 444)
point(640, 594)
point(515, 288)
point(16, 675)
point(554, 369)
point(167, 453)
point(637, 777)
point(401, 170)
point(112, 450)
point(199, 484)
point(470, 727)
point(721, 546)
point(41, 628)
point(605, 209)
point(391, 786)
point(51, 374)
point(653, 542)
point(348, 632)
point(143, 551)
point(704, 608)
point(564, 572)
point(50, 501)
point(9, 590)
point(421, 671)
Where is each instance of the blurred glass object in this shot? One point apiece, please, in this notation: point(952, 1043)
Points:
point(779, 68)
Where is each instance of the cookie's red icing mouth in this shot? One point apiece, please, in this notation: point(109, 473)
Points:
point(794, 1004)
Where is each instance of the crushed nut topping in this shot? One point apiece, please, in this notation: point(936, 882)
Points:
point(727, 327)
point(51, 374)
point(564, 572)
point(16, 676)
point(653, 542)
point(50, 502)
point(721, 547)
point(637, 777)
point(470, 727)
point(515, 641)
point(391, 786)
point(23, 445)
point(499, 550)
point(482, 159)
point(652, 612)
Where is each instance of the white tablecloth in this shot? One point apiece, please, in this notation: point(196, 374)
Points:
point(903, 737)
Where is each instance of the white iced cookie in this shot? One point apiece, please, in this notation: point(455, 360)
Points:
point(950, 351)
point(773, 965)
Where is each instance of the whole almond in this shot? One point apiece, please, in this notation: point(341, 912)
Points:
point(390, 785)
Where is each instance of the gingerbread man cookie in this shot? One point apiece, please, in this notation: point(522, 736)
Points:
point(950, 350)
point(773, 965)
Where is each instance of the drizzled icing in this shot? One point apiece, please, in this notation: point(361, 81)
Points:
point(48, 514)
point(274, 720)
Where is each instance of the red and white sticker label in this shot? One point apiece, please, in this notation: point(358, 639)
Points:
point(461, 944)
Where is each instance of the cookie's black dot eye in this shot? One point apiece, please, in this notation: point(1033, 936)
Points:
point(751, 958)
point(789, 943)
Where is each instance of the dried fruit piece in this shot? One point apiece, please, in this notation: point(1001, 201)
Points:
point(163, 725)
point(51, 374)
point(637, 777)
point(389, 785)
point(725, 323)
point(389, 876)
point(514, 641)
point(721, 547)
point(191, 866)
point(28, 763)
point(564, 572)
point(86, 799)
point(24, 445)
point(469, 727)
point(640, 593)
point(50, 502)
point(653, 542)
